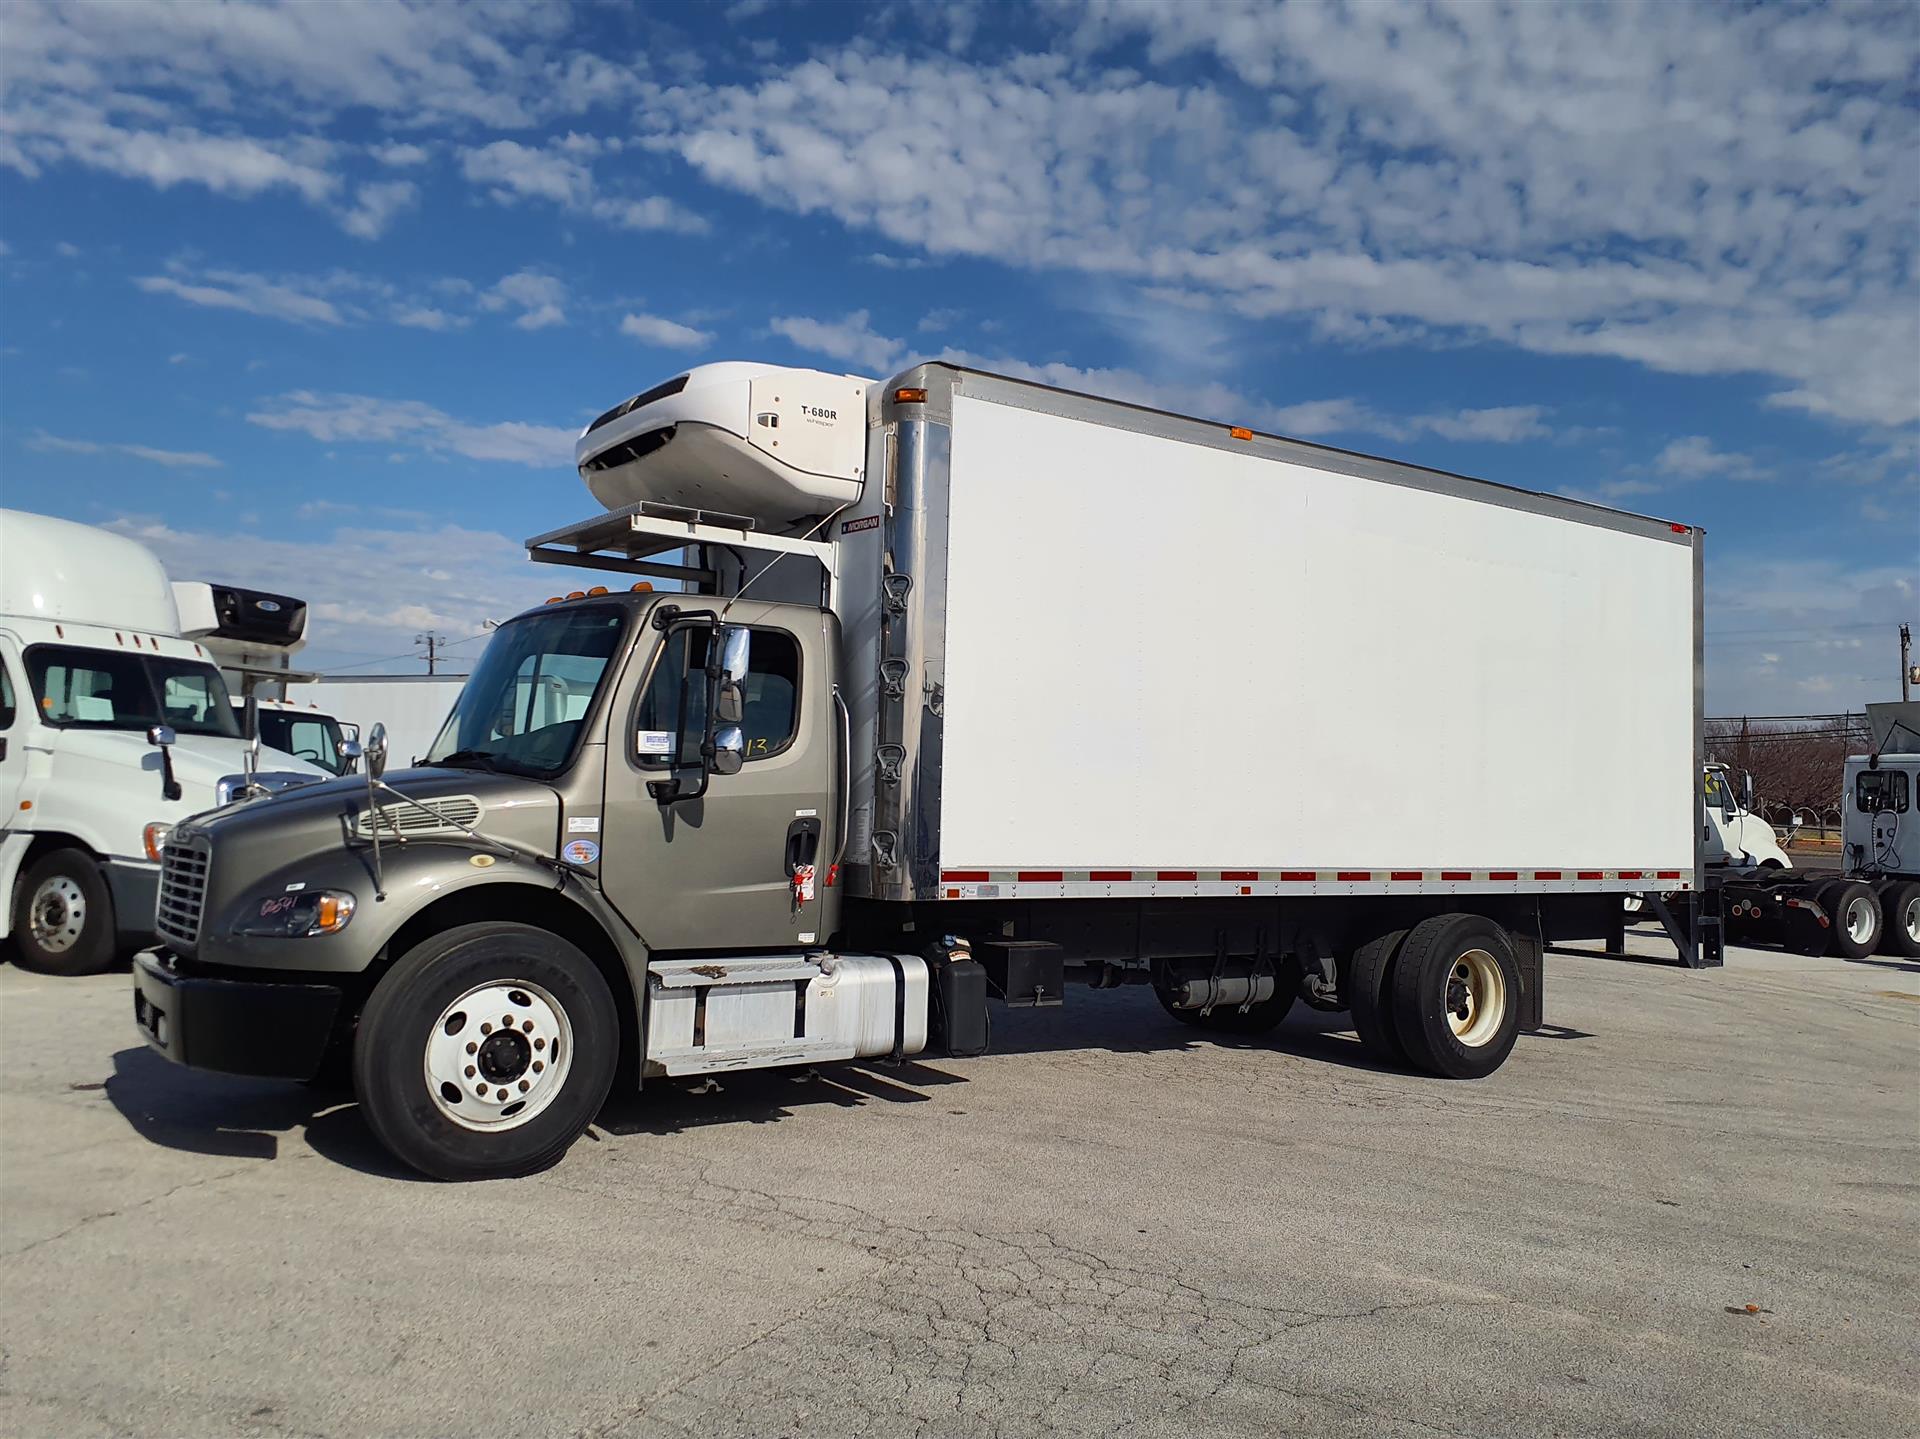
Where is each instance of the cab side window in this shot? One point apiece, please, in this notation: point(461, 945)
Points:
point(1881, 792)
point(6, 697)
point(770, 708)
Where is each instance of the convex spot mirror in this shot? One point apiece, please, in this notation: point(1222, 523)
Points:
point(729, 749)
point(349, 756)
point(375, 751)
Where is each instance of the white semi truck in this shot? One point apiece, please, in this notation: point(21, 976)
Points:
point(975, 686)
point(112, 728)
point(1871, 902)
point(412, 707)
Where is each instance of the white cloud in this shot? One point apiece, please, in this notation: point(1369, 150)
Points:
point(401, 156)
point(540, 299)
point(426, 317)
point(250, 294)
point(667, 334)
point(1783, 625)
point(852, 340)
point(1500, 425)
point(67, 250)
point(1692, 189)
point(376, 204)
point(171, 459)
point(1695, 458)
point(367, 419)
point(560, 174)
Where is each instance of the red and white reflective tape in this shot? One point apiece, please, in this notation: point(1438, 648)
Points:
point(992, 883)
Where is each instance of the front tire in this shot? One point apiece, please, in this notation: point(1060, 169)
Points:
point(63, 915)
point(1456, 996)
point(486, 1051)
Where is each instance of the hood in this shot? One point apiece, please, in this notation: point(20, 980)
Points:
point(319, 816)
point(122, 764)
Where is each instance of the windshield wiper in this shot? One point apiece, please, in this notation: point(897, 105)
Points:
point(464, 758)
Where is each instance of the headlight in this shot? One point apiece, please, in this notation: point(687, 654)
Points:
point(296, 916)
point(155, 839)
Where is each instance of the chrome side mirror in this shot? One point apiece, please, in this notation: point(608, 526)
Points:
point(736, 645)
point(161, 736)
point(349, 756)
point(375, 751)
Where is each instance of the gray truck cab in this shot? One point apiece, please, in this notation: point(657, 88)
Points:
point(626, 776)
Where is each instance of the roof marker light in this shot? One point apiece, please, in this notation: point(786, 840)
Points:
point(908, 395)
point(598, 590)
point(576, 594)
point(1240, 434)
point(642, 587)
point(553, 599)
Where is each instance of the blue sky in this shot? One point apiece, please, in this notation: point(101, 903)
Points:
point(315, 297)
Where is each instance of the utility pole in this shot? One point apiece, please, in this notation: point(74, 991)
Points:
point(1906, 663)
point(433, 642)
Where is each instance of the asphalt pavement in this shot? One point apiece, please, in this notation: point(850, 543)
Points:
point(1690, 1207)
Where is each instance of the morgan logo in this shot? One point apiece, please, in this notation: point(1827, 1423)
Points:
point(272, 607)
point(853, 527)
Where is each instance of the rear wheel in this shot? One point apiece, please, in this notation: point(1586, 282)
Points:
point(1456, 995)
point(486, 1051)
point(63, 915)
point(1854, 909)
point(1370, 997)
point(1900, 918)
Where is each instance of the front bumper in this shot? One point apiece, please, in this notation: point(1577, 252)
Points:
point(276, 1031)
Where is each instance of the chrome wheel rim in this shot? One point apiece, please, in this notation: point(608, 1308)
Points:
point(1913, 920)
point(498, 1055)
point(58, 913)
point(1476, 998)
point(1860, 919)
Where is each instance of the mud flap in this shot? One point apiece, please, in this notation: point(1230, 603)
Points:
point(1533, 979)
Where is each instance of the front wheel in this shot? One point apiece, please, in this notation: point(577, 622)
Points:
point(486, 1051)
point(63, 915)
point(1456, 995)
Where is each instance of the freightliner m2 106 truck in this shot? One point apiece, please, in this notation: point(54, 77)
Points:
point(972, 687)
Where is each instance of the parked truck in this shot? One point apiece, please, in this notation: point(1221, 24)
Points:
point(112, 728)
point(252, 635)
point(412, 707)
point(973, 687)
point(1870, 902)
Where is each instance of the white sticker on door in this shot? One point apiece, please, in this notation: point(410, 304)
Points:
point(583, 824)
point(654, 741)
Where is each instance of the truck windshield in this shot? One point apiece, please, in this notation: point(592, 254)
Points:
point(314, 738)
point(523, 709)
point(80, 688)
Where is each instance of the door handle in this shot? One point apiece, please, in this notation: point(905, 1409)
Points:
point(803, 844)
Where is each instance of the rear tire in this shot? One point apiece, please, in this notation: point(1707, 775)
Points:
point(63, 915)
point(1900, 919)
point(1456, 996)
point(1370, 997)
point(539, 1071)
point(1854, 910)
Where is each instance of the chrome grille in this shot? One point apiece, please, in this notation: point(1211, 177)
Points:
point(401, 820)
point(183, 888)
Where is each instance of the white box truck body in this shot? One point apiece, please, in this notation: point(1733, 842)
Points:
point(1166, 652)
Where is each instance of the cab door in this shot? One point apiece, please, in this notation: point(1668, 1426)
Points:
point(716, 872)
